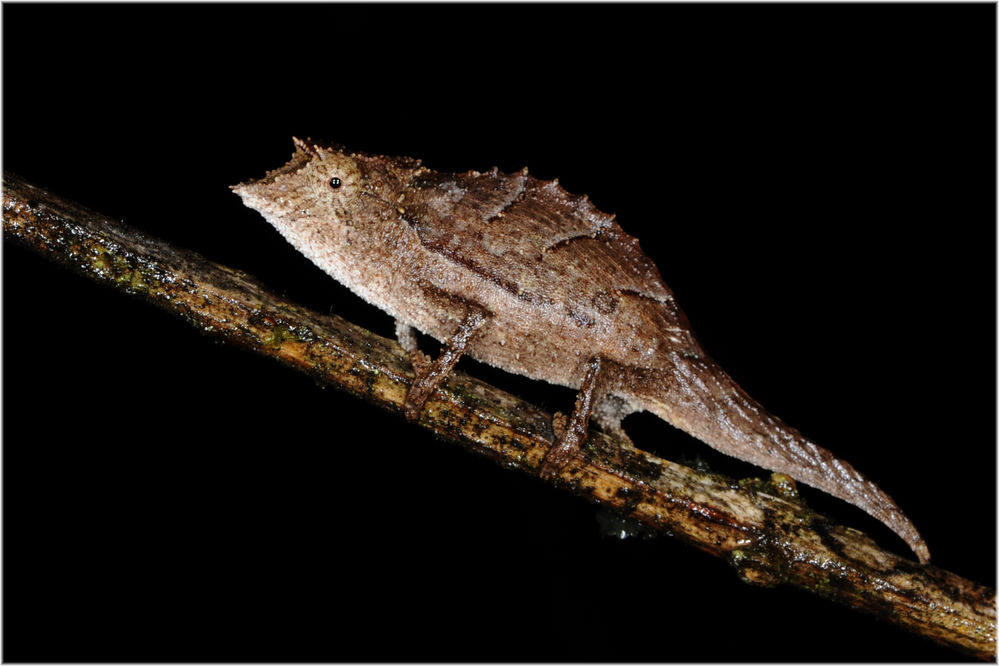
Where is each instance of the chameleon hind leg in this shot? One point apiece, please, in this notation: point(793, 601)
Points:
point(571, 435)
point(608, 411)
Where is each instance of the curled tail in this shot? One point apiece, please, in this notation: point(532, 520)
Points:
point(697, 396)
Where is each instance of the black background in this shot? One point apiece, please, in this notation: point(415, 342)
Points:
point(816, 184)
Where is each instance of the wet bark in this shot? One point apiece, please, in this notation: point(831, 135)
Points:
point(760, 529)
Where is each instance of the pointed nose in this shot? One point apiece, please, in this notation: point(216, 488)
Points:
point(250, 193)
point(251, 188)
point(242, 189)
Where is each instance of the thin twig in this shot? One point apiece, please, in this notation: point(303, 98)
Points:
point(761, 530)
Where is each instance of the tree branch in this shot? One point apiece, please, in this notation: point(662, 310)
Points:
point(760, 529)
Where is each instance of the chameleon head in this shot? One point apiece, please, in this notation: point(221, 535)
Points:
point(316, 182)
point(317, 201)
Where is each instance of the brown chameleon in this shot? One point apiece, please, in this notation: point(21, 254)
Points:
point(518, 273)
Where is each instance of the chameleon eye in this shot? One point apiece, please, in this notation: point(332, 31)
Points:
point(335, 182)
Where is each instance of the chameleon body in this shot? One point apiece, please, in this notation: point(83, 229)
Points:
point(520, 274)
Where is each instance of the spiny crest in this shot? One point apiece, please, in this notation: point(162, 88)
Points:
point(325, 149)
point(307, 147)
point(322, 149)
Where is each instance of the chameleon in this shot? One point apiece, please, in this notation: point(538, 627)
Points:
point(518, 273)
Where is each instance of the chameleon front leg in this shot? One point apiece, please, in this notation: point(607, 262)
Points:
point(573, 433)
point(429, 374)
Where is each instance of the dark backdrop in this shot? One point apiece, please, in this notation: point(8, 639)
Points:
point(816, 184)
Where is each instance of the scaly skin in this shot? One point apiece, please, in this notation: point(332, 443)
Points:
point(561, 289)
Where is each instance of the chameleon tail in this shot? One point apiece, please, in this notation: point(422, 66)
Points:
point(697, 396)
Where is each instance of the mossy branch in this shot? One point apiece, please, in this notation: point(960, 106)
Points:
point(760, 530)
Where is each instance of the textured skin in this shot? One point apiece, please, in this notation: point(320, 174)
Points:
point(560, 284)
